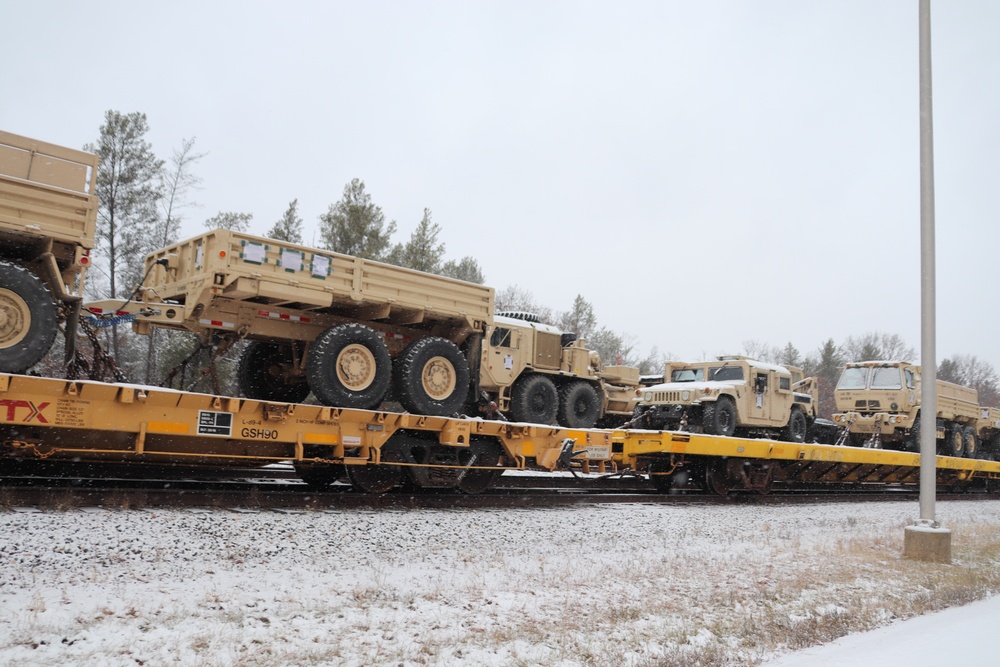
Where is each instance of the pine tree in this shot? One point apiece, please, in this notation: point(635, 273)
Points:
point(580, 319)
point(289, 228)
point(465, 269)
point(423, 252)
point(128, 189)
point(356, 226)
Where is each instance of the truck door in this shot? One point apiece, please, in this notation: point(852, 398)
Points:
point(501, 361)
point(761, 395)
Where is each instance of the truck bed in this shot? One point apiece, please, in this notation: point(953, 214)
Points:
point(251, 269)
point(46, 191)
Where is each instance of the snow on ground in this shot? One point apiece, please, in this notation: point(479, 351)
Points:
point(640, 585)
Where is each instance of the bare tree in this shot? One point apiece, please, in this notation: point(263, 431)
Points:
point(969, 370)
point(237, 222)
point(176, 182)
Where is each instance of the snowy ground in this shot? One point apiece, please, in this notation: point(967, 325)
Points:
point(637, 585)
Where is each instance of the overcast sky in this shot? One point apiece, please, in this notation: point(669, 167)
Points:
point(704, 173)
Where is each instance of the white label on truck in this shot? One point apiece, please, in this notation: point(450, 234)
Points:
point(199, 256)
point(508, 362)
point(320, 266)
point(255, 252)
point(215, 423)
point(291, 260)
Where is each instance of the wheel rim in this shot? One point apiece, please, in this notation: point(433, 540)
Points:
point(956, 443)
point(15, 318)
point(725, 420)
point(438, 378)
point(356, 367)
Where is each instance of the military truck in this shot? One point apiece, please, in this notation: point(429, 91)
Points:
point(878, 403)
point(48, 216)
point(537, 373)
point(350, 329)
point(733, 395)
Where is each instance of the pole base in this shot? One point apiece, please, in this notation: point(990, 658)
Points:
point(927, 543)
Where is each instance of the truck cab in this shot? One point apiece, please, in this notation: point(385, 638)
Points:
point(537, 373)
point(878, 402)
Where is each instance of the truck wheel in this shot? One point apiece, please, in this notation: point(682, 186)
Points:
point(349, 367)
point(432, 377)
point(970, 442)
point(954, 443)
point(27, 319)
point(797, 427)
point(264, 371)
point(720, 418)
point(534, 399)
point(579, 405)
point(912, 442)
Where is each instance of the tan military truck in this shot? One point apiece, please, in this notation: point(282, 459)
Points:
point(537, 373)
point(48, 214)
point(348, 329)
point(878, 403)
point(732, 395)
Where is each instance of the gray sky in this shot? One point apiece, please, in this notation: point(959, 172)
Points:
point(704, 173)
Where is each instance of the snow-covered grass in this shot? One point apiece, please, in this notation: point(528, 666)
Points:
point(640, 585)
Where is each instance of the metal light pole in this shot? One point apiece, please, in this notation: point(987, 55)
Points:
point(926, 540)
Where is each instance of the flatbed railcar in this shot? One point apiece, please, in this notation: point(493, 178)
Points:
point(45, 418)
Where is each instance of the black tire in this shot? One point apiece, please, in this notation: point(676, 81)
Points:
point(912, 442)
point(432, 377)
point(579, 405)
point(349, 367)
point(797, 427)
point(27, 319)
point(970, 443)
point(720, 418)
point(534, 399)
point(954, 443)
point(263, 370)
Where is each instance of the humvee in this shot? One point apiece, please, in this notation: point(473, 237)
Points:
point(731, 395)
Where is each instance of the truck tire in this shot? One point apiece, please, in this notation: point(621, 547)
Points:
point(579, 405)
point(262, 372)
point(349, 367)
point(27, 319)
point(954, 443)
point(797, 427)
point(432, 377)
point(534, 399)
point(720, 418)
point(970, 443)
point(912, 442)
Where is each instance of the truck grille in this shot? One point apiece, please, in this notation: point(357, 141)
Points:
point(867, 405)
point(666, 397)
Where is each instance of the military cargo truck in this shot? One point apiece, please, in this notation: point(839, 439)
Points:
point(733, 394)
point(349, 329)
point(48, 215)
point(878, 403)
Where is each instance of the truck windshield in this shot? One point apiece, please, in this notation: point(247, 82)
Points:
point(721, 373)
point(688, 375)
point(886, 377)
point(853, 378)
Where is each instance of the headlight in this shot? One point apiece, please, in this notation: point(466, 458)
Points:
point(648, 396)
point(685, 395)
